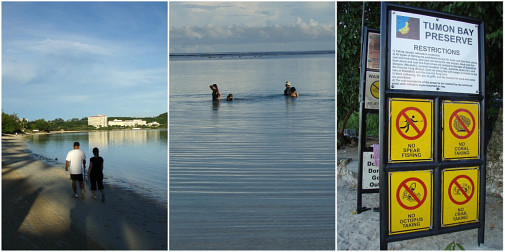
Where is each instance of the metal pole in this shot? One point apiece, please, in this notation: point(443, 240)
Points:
point(383, 120)
point(362, 130)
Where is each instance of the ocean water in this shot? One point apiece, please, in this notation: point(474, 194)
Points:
point(133, 159)
point(258, 172)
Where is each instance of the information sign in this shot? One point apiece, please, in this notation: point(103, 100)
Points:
point(460, 135)
point(433, 54)
point(410, 199)
point(372, 90)
point(410, 130)
point(460, 197)
point(370, 171)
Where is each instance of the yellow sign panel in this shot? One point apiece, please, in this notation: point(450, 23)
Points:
point(410, 201)
point(461, 132)
point(460, 196)
point(410, 130)
point(372, 90)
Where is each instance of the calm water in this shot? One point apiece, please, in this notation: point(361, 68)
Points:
point(134, 159)
point(258, 172)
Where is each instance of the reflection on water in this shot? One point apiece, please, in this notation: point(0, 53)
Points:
point(104, 139)
point(134, 159)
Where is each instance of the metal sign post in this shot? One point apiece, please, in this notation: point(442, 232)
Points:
point(432, 162)
point(368, 173)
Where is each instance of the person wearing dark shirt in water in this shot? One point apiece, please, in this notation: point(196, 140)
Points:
point(287, 91)
point(216, 95)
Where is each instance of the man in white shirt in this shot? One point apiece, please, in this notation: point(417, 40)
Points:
point(76, 160)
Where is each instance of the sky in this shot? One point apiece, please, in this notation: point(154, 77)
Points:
point(78, 59)
point(207, 27)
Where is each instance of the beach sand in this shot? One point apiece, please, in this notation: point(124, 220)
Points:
point(38, 211)
point(361, 231)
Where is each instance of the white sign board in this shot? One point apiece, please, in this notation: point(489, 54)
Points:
point(433, 54)
point(370, 172)
point(372, 90)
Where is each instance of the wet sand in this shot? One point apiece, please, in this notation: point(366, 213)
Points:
point(38, 211)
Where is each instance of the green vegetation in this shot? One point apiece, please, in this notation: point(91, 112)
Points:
point(349, 48)
point(453, 245)
point(12, 124)
point(372, 123)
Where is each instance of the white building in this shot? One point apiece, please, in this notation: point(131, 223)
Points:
point(127, 123)
point(97, 121)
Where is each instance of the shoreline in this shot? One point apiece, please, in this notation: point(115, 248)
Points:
point(155, 193)
point(24, 134)
point(39, 213)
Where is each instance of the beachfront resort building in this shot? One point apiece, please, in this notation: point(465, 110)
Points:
point(101, 121)
point(97, 121)
point(128, 123)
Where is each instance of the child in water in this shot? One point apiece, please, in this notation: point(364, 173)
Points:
point(293, 92)
point(229, 97)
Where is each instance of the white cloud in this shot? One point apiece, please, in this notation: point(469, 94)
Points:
point(64, 47)
point(208, 24)
point(302, 31)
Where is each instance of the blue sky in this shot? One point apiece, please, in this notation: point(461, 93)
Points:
point(77, 59)
point(251, 26)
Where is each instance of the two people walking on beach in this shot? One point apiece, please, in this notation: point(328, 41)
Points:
point(76, 162)
point(216, 94)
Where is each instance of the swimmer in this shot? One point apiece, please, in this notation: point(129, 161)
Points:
point(287, 91)
point(293, 92)
point(229, 97)
point(216, 95)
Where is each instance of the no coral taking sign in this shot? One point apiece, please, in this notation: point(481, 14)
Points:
point(433, 54)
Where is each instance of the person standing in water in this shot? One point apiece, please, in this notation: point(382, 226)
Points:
point(287, 91)
point(76, 161)
point(216, 95)
point(95, 173)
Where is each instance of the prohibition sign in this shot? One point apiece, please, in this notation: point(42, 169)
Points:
point(403, 114)
point(410, 193)
point(374, 89)
point(458, 118)
point(467, 196)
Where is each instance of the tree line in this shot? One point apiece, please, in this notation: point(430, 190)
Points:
point(11, 123)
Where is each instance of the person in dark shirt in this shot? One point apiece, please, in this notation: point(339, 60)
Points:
point(95, 173)
point(287, 91)
point(216, 95)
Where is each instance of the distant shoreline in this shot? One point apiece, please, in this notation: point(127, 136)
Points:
point(73, 131)
point(248, 54)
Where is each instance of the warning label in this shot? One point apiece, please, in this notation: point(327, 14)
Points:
point(372, 90)
point(410, 201)
point(461, 130)
point(370, 172)
point(460, 196)
point(410, 129)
